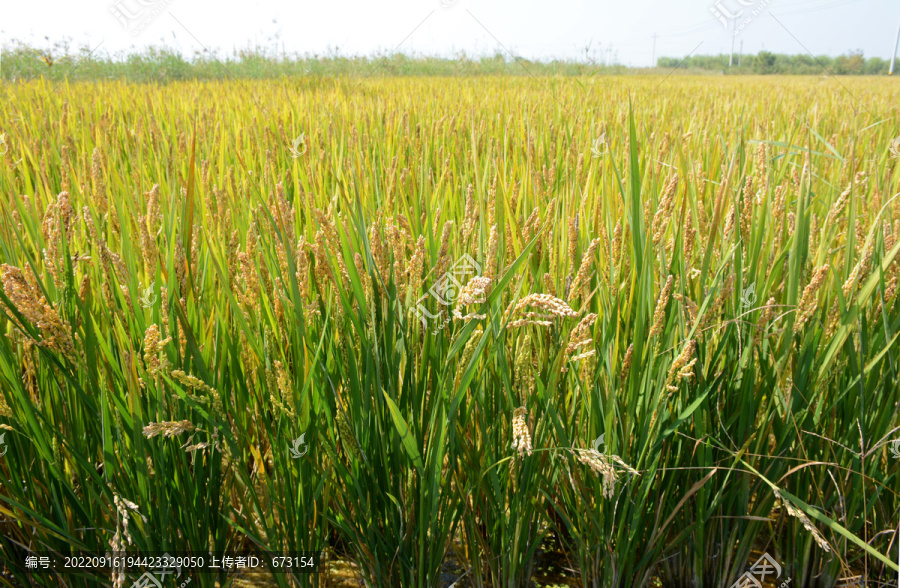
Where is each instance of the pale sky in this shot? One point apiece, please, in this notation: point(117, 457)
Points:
point(622, 30)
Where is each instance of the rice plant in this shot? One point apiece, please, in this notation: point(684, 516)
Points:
point(406, 321)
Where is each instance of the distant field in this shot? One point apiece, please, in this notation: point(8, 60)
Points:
point(642, 330)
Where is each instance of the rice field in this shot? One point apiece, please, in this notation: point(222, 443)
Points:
point(446, 329)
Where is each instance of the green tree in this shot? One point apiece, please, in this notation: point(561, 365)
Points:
point(765, 62)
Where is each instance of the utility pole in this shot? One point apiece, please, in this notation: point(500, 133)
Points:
point(731, 56)
point(653, 63)
point(741, 54)
point(894, 54)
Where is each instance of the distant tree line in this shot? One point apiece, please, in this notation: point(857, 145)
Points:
point(22, 62)
point(775, 63)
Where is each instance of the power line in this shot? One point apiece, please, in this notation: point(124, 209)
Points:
point(894, 54)
point(690, 29)
point(706, 25)
point(812, 5)
point(818, 8)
